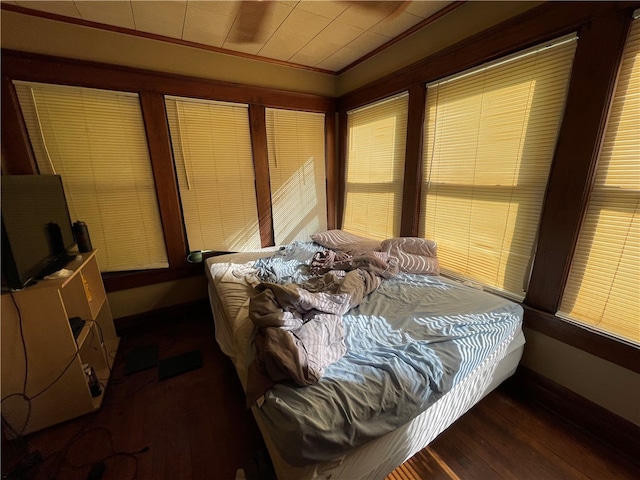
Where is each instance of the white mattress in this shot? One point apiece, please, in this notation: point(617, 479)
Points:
point(377, 458)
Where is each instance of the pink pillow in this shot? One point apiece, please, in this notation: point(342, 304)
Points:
point(343, 241)
point(415, 255)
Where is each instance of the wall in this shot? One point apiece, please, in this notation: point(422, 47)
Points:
point(606, 384)
point(463, 22)
point(45, 36)
point(154, 297)
point(40, 35)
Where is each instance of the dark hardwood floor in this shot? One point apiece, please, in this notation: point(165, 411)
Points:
point(194, 426)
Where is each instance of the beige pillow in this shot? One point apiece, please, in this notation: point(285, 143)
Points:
point(343, 241)
point(415, 255)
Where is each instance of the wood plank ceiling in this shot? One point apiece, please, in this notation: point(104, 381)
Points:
point(328, 35)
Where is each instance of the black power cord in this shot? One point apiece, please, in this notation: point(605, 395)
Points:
point(98, 466)
point(23, 395)
point(52, 467)
point(10, 428)
point(34, 461)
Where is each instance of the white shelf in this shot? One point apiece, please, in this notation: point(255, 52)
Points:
point(42, 319)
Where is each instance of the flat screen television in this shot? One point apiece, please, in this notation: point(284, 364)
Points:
point(36, 228)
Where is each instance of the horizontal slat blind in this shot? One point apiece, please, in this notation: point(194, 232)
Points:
point(489, 139)
point(214, 164)
point(297, 174)
point(95, 139)
point(603, 289)
point(377, 137)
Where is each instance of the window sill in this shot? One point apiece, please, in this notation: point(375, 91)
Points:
point(115, 281)
point(607, 348)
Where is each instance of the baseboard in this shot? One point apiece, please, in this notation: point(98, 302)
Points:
point(610, 428)
point(173, 313)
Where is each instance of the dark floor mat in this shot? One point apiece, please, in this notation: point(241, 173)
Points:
point(141, 358)
point(170, 367)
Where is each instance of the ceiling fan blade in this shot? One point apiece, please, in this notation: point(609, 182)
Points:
point(388, 9)
point(249, 24)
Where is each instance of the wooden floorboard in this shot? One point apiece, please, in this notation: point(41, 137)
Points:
point(195, 426)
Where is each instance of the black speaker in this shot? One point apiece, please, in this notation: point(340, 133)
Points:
point(81, 232)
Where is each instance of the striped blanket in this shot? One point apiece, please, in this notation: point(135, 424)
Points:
point(403, 347)
point(300, 330)
point(408, 343)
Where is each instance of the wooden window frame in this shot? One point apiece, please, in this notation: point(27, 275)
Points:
point(18, 157)
point(602, 29)
point(540, 24)
point(393, 113)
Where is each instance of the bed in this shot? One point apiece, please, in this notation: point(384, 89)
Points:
point(419, 351)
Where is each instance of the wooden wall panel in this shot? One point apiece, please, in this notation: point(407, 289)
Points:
point(17, 155)
point(18, 158)
point(331, 167)
point(591, 87)
point(164, 175)
point(342, 167)
point(602, 29)
point(43, 68)
point(413, 162)
point(548, 21)
point(615, 351)
point(257, 123)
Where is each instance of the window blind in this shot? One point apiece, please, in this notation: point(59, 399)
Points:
point(95, 139)
point(214, 164)
point(489, 139)
point(603, 288)
point(377, 136)
point(295, 143)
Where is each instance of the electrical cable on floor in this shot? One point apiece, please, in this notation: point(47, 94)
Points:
point(12, 430)
point(104, 459)
point(104, 346)
point(17, 435)
point(26, 376)
point(61, 455)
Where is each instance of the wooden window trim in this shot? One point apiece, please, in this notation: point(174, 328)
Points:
point(17, 154)
point(151, 86)
point(331, 169)
point(116, 281)
point(602, 346)
point(258, 127)
point(597, 59)
point(543, 23)
point(35, 67)
point(154, 114)
point(413, 162)
point(341, 184)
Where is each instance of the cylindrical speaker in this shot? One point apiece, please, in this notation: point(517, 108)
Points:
point(81, 232)
point(54, 239)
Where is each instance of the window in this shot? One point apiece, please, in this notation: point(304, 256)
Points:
point(489, 139)
point(376, 136)
point(603, 288)
point(95, 139)
point(297, 174)
point(214, 164)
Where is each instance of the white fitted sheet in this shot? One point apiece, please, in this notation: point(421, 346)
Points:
point(229, 291)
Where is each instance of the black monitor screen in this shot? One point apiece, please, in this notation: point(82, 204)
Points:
point(36, 225)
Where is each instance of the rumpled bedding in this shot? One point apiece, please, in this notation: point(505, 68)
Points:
point(407, 343)
point(300, 330)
